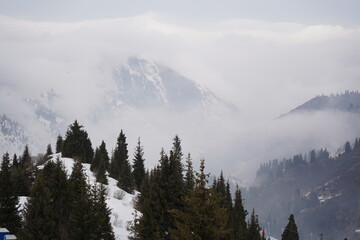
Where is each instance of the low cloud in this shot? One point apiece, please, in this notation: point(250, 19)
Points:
point(265, 68)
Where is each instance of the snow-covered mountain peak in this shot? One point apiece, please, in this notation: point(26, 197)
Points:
point(143, 83)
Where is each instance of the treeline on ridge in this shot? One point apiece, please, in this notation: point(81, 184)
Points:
point(175, 201)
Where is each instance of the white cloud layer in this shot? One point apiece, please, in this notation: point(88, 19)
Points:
point(265, 68)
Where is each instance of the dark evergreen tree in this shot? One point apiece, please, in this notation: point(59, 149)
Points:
point(189, 174)
point(175, 180)
point(102, 213)
point(312, 156)
point(138, 165)
point(202, 217)
point(104, 155)
point(239, 217)
point(84, 224)
point(254, 230)
point(120, 168)
point(101, 173)
point(22, 174)
point(347, 147)
point(126, 179)
point(59, 144)
point(101, 154)
point(96, 160)
point(42, 216)
point(291, 231)
point(25, 161)
point(152, 207)
point(77, 144)
point(49, 150)
point(15, 162)
point(357, 143)
point(9, 213)
point(120, 155)
point(47, 210)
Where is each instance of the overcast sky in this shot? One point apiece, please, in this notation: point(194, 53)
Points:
point(266, 57)
point(305, 11)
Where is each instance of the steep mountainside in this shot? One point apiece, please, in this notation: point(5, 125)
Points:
point(321, 191)
point(146, 84)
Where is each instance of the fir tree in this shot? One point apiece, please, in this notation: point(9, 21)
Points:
point(101, 154)
point(47, 211)
point(202, 218)
point(126, 179)
point(49, 150)
point(291, 231)
point(23, 173)
point(9, 214)
point(25, 161)
point(239, 217)
point(15, 162)
point(152, 206)
point(175, 180)
point(138, 165)
point(101, 173)
point(347, 147)
point(96, 160)
point(254, 230)
point(189, 175)
point(102, 213)
point(59, 144)
point(81, 219)
point(120, 155)
point(77, 144)
point(104, 155)
point(39, 222)
point(120, 167)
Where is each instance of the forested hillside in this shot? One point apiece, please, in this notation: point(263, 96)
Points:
point(322, 191)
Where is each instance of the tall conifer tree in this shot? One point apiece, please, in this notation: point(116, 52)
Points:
point(9, 213)
point(138, 165)
point(59, 144)
point(84, 225)
point(254, 230)
point(291, 231)
point(239, 216)
point(77, 144)
point(189, 174)
point(102, 213)
point(202, 217)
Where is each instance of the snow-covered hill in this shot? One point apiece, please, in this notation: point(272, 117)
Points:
point(120, 202)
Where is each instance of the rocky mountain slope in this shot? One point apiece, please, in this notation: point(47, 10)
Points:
point(145, 84)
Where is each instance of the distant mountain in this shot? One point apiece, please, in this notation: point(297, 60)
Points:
point(323, 193)
point(347, 102)
point(46, 115)
point(12, 136)
point(145, 84)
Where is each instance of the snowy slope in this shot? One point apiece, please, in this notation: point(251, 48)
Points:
point(120, 202)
